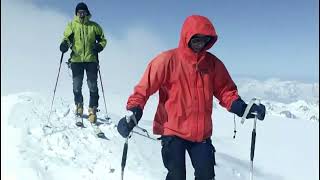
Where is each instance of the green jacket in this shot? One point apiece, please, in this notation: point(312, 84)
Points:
point(81, 37)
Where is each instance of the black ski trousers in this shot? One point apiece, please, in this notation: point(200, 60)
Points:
point(91, 69)
point(201, 154)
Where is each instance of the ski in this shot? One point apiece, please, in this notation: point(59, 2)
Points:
point(95, 126)
point(98, 131)
point(79, 121)
point(105, 120)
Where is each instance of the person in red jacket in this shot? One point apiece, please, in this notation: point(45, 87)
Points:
point(187, 78)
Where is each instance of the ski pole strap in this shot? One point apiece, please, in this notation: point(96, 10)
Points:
point(147, 136)
point(246, 112)
point(69, 63)
point(234, 126)
point(253, 143)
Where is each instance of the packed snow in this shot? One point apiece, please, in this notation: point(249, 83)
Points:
point(286, 149)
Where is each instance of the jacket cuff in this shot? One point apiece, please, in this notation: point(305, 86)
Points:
point(238, 107)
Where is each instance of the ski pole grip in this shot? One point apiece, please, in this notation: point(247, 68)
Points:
point(253, 144)
point(124, 155)
point(130, 116)
point(246, 112)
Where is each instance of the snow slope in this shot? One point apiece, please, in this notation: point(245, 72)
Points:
point(285, 150)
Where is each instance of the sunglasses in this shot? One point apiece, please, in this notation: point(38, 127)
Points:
point(200, 39)
point(82, 12)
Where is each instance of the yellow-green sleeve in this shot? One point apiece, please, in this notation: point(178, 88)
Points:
point(67, 33)
point(101, 39)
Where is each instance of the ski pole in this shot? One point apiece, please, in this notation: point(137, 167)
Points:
point(124, 157)
point(54, 91)
point(253, 134)
point(104, 99)
point(253, 141)
point(130, 116)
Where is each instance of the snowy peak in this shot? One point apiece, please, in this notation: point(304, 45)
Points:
point(290, 99)
point(279, 91)
point(296, 110)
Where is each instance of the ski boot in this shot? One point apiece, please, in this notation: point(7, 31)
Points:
point(93, 120)
point(79, 109)
point(79, 114)
point(92, 112)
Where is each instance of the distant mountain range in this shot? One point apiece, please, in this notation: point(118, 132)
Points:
point(290, 99)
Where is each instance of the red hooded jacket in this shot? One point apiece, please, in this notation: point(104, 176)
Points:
point(187, 82)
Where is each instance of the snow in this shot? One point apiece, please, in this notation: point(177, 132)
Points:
point(290, 99)
point(278, 90)
point(286, 149)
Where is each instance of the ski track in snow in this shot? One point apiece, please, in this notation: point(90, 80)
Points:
point(66, 151)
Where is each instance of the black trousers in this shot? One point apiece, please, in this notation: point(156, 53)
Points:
point(91, 69)
point(201, 155)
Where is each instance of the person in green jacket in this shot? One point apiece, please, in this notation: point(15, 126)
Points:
point(86, 39)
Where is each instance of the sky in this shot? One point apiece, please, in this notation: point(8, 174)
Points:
point(280, 36)
point(257, 39)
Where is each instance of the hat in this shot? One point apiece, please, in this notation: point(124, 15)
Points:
point(82, 6)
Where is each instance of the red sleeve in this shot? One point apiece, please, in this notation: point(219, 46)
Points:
point(151, 81)
point(225, 89)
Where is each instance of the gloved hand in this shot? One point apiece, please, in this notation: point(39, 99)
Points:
point(259, 109)
point(124, 127)
point(239, 106)
point(97, 48)
point(64, 46)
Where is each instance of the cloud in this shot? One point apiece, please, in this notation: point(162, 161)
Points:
point(29, 46)
point(30, 52)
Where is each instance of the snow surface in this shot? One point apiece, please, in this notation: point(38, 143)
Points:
point(286, 149)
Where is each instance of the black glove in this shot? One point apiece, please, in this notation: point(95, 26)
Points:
point(124, 128)
point(97, 48)
point(64, 46)
point(239, 106)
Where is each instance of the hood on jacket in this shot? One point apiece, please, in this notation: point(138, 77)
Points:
point(193, 25)
point(82, 6)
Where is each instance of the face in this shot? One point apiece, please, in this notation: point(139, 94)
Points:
point(82, 13)
point(198, 42)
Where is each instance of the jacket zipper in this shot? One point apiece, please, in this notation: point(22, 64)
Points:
point(198, 101)
point(84, 44)
point(197, 105)
point(204, 102)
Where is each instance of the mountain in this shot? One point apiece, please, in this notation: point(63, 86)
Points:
point(291, 99)
point(277, 90)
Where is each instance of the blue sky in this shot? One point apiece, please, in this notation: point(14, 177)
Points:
point(257, 39)
point(274, 38)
